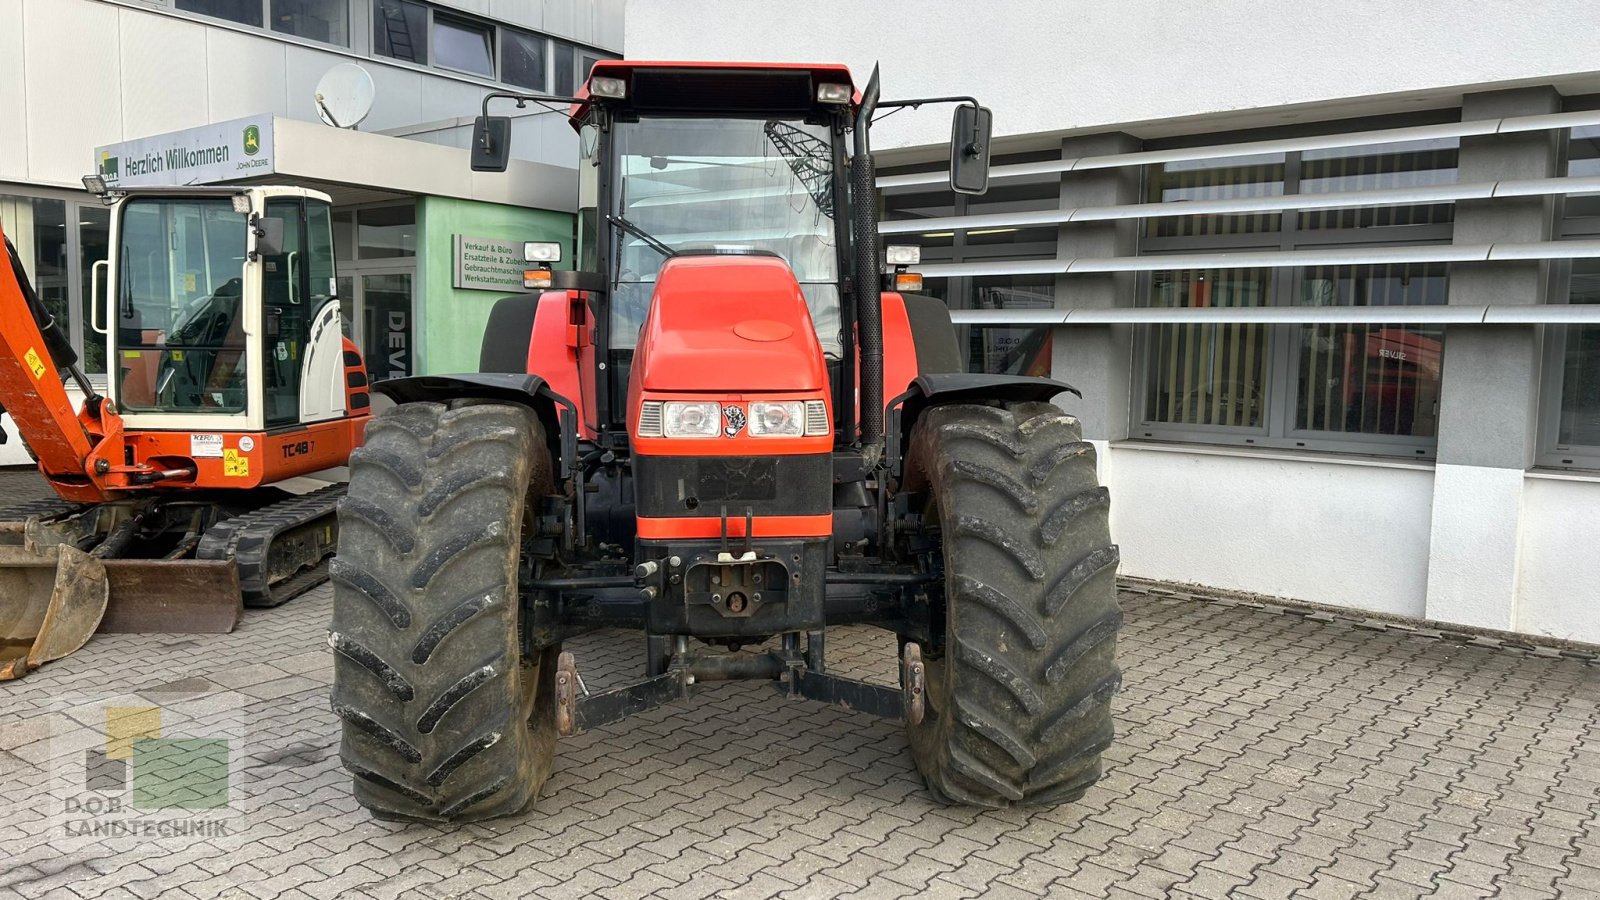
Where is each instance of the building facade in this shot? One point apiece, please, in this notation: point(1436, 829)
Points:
point(92, 85)
point(1325, 274)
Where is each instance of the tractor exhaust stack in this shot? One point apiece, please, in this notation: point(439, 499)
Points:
point(869, 306)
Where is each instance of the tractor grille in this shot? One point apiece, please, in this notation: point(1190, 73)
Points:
point(671, 486)
point(650, 418)
point(817, 417)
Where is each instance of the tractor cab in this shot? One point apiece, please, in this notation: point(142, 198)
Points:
point(697, 169)
point(681, 160)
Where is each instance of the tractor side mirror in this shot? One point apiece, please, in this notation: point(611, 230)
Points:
point(491, 143)
point(969, 149)
point(269, 236)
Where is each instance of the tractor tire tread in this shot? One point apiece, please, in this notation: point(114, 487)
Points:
point(425, 595)
point(1021, 679)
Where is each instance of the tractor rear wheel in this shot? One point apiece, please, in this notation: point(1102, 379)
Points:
point(1022, 668)
point(445, 719)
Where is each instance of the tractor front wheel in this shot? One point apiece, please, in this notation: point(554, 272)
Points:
point(445, 718)
point(1022, 668)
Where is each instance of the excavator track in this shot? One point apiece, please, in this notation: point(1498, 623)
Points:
point(282, 549)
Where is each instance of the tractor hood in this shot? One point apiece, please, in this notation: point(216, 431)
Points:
point(723, 323)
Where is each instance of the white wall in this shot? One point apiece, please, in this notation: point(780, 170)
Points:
point(1342, 533)
point(1558, 570)
point(1051, 65)
point(77, 74)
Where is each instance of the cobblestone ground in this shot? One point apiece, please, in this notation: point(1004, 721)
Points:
point(1258, 755)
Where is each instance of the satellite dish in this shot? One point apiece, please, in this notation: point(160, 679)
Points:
point(344, 95)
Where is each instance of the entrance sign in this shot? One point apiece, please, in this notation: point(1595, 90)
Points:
point(487, 264)
point(222, 151)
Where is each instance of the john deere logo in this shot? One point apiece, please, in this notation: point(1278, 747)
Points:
point(252, 140)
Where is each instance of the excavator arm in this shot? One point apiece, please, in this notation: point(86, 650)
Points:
point(34, 353)
point(51, 597)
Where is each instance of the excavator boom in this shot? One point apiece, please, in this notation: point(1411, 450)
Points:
point(31, 386)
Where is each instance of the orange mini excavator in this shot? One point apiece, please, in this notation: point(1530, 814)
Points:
point(179, 496)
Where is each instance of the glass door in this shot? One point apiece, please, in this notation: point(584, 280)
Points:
point(375, 309)
point(94, 242)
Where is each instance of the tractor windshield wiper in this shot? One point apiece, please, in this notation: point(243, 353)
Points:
point(642, 235)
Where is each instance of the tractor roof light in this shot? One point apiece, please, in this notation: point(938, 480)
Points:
point(241, 204)
point(546, 252)
point(902, 255)
point(94, 184)
point(612, 88)
point(834, 93)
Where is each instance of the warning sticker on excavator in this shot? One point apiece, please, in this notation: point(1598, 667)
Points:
point(35, 364)
point(234, 465)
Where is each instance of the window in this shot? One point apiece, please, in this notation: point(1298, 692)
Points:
point(179, 314)
point(400, 30)
point(1207, 375)
point(94, 244)
point(992, 349)
point(59, 241)
point(523, 58)
point(1363, 388)
point(245, 12)
point(386, 231)
point(1215, 179)
point(1578, 358)
point(705, 182)
point(37, 227)
point(462, 45)
point(1570, 432)
point(1370, 379)
point(327, 21)
point(566, 82)
point(420, 33)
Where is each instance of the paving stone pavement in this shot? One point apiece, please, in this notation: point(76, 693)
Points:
point(1258, 756)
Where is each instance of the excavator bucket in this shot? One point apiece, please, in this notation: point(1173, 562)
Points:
point(51, 602)
point(172, 596)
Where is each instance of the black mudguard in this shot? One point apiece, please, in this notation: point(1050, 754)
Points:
point(555, 412)
point(931, 390)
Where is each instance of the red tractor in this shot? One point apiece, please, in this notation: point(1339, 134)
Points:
point(721, 430)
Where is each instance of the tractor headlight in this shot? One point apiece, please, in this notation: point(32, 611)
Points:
point(784, 418)
point(691, 420)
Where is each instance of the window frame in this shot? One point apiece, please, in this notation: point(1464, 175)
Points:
point(498, 33)
point(76, 204)
point(1281, 375)
point(350, 24)
point(958, 290)
point(491, 42)
point(545, 76)
point(1549, 452)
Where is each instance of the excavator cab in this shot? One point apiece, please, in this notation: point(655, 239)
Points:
point(210, 288)
point(228, 374)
